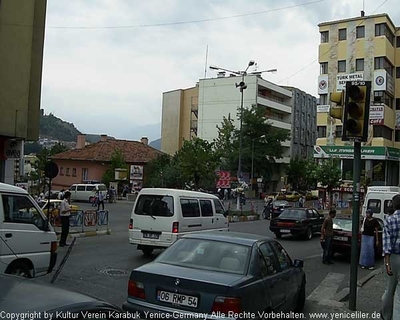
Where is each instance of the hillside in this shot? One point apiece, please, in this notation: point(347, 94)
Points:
point(55, 128)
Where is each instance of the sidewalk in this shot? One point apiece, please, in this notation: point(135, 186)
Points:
point(369, 296)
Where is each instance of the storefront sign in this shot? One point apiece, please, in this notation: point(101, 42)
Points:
point(347, 152)
point(341, 79)
point(13, 149)
point(323, 108)
point(323, 84)
point(393, 153)
point(136, 172)
point(377, 114)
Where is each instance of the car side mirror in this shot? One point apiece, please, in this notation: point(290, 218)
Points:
point(298, 263)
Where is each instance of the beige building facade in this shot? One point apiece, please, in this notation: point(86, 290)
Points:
point(362, 48)
point(21, 41)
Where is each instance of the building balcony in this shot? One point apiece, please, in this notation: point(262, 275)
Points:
point(286, 108)
point(280, 124)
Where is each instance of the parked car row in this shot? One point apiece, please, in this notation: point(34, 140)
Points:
point(293, 196)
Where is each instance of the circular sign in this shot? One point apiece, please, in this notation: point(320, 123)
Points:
point(51, 170)
point(380, 80)
point(323, 84)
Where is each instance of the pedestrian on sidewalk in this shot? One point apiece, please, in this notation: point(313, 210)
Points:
point(100, 200)
point(369, 239)
point(327, 236)
point(65, 212)
point(391, 252)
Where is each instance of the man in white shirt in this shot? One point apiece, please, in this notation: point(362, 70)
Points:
point(100, 200)
point(65, 212)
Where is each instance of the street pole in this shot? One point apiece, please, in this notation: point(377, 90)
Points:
point(355, 226)
point(252, 164)
point(240, 140)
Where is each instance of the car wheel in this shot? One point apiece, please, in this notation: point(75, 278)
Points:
point(20, 269)
point(301, 298)
point(147, 251)
point(278, 235)
point(308, 235)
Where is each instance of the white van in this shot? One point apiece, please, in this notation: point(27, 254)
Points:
point(160, 216)
point(28, 243)
point(379, 200)
point(86, 192)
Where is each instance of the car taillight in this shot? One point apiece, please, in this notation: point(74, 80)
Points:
point(175, 227)
point(130, 224)
point(226, 305)
point(136, 289)
point(53, 247)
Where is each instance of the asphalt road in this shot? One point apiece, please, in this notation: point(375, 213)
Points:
point(100, 266)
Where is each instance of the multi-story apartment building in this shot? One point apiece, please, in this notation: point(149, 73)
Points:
point(198, 110)
point(364, 48)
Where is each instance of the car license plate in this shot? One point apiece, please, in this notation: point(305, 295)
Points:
point(177, 299)
point(285, 231)
point(150, 235)
point(339, 238)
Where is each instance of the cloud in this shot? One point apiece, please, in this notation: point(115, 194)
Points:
point(105, 69)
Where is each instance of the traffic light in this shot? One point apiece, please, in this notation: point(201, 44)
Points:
point(337, 112)
point(356, 111)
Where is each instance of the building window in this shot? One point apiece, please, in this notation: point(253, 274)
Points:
point(324, 36)
point(342, 34)
point(67, 172)
point(321, 131)
point(397, 72)
point(383, 63)
point(85, 174)
point(359, 64)
point(397, 135)
point(383, 97)
point(398, 42)
point(74, 172)
point(338, 131)
point(383, 132)
point(324, 67)
point(61, 171)
point(360, 32)
point(323, 99)
point(342, 66)
point(397, 103)
point(382, 29)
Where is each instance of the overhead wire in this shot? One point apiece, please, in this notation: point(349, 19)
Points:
point(163, 24)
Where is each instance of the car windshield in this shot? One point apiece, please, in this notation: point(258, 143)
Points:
point(207, 255)
point(101, 187)
point(342, 224)
point(155, 205)
point(293, 213)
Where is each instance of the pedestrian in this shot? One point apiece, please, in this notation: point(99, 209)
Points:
point(391, 252)
point(369, 239)
point(100, 200)
point(61, 194)
point(327, 236)
point(65, 212)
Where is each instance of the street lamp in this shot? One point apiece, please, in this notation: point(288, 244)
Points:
point(252, 158)
point(242, 86)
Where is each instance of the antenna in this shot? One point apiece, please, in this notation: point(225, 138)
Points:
point(363, 9)
point(205, 68)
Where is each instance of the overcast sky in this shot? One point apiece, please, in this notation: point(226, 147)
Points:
point(107, 62)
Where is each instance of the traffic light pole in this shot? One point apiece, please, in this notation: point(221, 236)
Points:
point(355, 226)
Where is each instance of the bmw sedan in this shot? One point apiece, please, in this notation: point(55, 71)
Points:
point(218, 274)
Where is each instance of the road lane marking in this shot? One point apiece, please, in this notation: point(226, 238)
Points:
point(327, 288)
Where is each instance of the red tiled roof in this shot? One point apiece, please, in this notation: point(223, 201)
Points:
point(133, 151)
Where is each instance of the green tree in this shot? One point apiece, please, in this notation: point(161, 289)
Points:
point(164, 171)
point(198, 162)
point(117, 161)
point(328, 173)
point(301, 174)
point(225, 145)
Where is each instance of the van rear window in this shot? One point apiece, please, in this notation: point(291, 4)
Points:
point(154, 205)
point(374, 205)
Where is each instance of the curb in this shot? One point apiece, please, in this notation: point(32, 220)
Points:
point(368, 277)
point(85, 234)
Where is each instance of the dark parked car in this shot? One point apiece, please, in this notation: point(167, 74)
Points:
point(298, 222)
point(218, 272)
point(19, 295)
point(342, 235)
point(278, 206)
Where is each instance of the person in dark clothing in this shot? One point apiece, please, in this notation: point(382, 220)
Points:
point(327, 237)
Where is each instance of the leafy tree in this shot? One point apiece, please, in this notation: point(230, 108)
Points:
point(225, 144)
point(117, 161)
point(328, 173)
point(164, 171)
point(301, 174)
point(198, 161)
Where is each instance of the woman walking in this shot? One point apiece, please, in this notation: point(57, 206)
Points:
point(369, 239)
